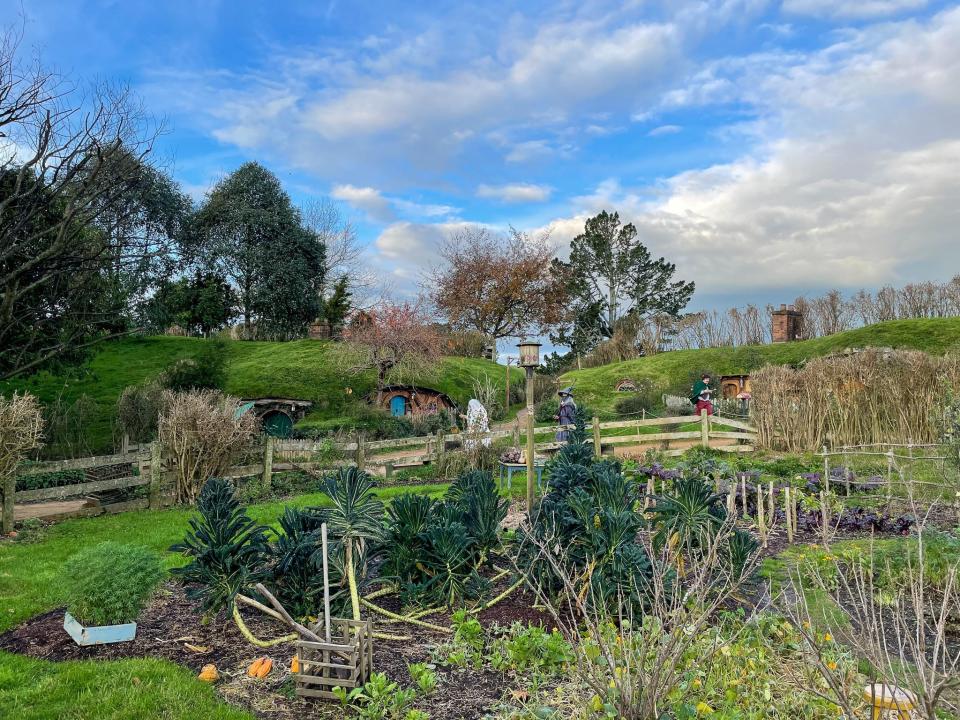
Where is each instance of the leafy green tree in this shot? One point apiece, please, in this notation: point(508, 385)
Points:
point(200, 305)
point(249, 231)
point(335, 308)
point(610, 276)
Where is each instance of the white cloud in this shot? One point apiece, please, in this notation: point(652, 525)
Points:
point(367, 199)
point(852, 180)
point(515, 192)
point(665, 130)
point(405, 102)
point(851, 9)
point(384, 209)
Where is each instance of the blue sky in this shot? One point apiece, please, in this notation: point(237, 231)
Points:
point(768, 147)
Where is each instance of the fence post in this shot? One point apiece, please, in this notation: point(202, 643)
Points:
point(125, 444)
point(9, 491)
point(360, 453)
point(596, 436)
point(704, 429)
point(387, 470)
point(267, 461)
point(156, 474)
point(788, 513)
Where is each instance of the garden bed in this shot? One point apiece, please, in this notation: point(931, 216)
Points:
point(172, 621)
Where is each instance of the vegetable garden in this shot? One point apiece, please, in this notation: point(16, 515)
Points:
point(737, 586)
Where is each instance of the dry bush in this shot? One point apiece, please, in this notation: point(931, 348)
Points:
point(198, 428)
point(872, 396)
point(907, 636)
point(138, 409)
point(21, 430)
point(633, 662)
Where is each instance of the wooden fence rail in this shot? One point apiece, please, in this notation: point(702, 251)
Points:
point(154, 471)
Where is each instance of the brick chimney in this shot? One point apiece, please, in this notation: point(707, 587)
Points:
point(787, 323)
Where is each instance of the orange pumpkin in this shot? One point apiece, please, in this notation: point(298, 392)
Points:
point(255, 667)
point(209, 674)
point(295, 664)
point(265, 667)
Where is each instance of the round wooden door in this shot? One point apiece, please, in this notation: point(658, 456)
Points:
point(398, 406)
point(277, 424)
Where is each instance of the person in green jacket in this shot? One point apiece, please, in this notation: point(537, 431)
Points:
point(700, 395)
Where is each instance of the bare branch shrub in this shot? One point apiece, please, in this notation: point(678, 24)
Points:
point(138, 409)
point(907, 634)
point(21, 430)
point(634, 661)
point(200, 430)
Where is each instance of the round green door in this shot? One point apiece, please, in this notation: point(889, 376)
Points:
point(277, 424)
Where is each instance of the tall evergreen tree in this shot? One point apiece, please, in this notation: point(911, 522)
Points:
point(611, 276)
point(252, 234)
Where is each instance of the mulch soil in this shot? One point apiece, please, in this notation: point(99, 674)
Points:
point(172, 621)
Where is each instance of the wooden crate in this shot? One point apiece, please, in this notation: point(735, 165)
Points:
point(346, 661)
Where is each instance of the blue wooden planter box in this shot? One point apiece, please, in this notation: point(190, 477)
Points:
point(101, 635)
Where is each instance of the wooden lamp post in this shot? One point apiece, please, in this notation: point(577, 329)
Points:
point(529, 359)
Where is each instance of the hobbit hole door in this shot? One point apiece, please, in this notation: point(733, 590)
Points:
point(398, 406)
point(277, 424)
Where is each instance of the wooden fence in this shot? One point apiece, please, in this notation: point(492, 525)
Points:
point(147, 468)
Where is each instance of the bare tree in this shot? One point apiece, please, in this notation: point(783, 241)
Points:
point(68, 161)
point(344, 251)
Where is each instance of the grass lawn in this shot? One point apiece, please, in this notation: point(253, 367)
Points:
point(33, 689)
point(674, 371)
point(303, 369)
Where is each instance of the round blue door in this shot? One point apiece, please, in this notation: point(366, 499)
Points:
point(398, 406)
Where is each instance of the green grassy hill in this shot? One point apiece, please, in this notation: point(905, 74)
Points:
point(304, 369)
point(673, 372)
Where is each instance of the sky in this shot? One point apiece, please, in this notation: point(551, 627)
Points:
point(767, 147)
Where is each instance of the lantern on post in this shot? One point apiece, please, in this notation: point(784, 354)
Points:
point(529, 360)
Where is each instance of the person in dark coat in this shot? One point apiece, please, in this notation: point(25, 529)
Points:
point(700, 395)
point(568, 410)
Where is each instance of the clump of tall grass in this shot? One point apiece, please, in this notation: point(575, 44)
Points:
point(871, 396)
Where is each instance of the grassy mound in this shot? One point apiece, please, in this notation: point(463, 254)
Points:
point(673, 372)
point(303, 370)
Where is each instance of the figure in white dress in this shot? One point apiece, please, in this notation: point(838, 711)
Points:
point(478, 425)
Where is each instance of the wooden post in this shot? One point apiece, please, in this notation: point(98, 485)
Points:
point(156, 475)
point(361, 460)
point(731, 502)
point(125, 444)
point(596, 436)
point(267, 461)
point(530, 442)
point(743, 492)
point(824, 519)
point(772, 502)
point(761, 522)
point(388, 470)
point(889, 476)
point(826, 470)
point(704, 429)
point(9, 491)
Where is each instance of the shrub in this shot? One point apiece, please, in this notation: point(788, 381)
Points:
point(647, 397)
point(208, 371)
point(226, 548)
point(66, 425)
point(200, 429)
point(530, 648)
point(109, 583)
point(57, 478)
point(21, 427)
point(138, 410)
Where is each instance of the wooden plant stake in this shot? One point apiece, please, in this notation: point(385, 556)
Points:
point(824, 519)
point(771, 503)
point(761, 522)
point(743, 493)
point(731, 502)
point(826, 470)
point(326, 583)
point(788, 513)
